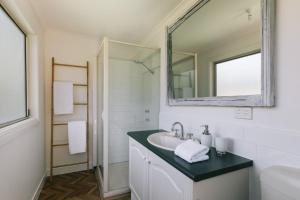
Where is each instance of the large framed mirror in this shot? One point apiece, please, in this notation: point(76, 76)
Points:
point(220, 53)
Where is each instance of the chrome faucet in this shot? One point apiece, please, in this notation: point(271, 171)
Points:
point(182, 130)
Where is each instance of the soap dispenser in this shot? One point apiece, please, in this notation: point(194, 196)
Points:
point(206, 137)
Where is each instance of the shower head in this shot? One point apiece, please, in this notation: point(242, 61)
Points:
point(145, 66)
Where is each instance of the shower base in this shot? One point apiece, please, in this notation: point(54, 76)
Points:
point(118, 176)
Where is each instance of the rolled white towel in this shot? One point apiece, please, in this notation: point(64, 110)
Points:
point(192, 151)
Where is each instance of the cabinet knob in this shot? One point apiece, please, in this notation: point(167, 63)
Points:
point(149, 162)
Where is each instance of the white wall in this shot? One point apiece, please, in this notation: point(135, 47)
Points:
point(77, 49)
point(273, 136)
point(22, 152)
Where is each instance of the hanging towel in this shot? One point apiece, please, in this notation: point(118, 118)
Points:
point(77, 136)
point(63, 97)
point(192, 151)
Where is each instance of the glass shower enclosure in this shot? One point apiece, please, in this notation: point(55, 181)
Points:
point(128, 100)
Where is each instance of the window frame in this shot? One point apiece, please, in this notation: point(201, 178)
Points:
point(215, 63)
point(27, 111)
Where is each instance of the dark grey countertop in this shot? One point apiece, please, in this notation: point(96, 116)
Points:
point(215, 166)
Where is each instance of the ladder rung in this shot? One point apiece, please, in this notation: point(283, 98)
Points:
point(69, 65)
point(58, 145)
point(66, 165)
point(59, 124)
point(77, 103)
point(77, 84)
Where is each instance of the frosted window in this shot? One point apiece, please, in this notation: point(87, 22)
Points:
point(12, 71)
point(241, 76)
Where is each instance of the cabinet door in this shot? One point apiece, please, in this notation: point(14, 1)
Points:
point(165, 182)
point(138, 170)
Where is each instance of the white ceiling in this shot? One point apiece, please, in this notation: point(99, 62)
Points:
point(128, 20)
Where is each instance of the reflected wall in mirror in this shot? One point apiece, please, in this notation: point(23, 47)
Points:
point(184, 74)
point(220, 53)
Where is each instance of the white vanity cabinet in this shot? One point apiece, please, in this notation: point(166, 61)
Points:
point(138, 170)
point(165, 182)
point(152, 178)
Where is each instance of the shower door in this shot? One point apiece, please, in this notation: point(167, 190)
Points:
point(131, 103)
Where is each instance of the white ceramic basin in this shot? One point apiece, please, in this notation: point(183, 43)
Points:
point(164, 140)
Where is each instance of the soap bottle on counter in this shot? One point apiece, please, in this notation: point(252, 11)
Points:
point(206, 137)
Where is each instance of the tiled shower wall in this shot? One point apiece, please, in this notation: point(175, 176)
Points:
point(131, 105)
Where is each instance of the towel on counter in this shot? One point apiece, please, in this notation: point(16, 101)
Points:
point(77, 136)
point(192, 151)
point(63, 97)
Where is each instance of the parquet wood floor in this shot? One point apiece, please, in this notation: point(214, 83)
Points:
point(74, 186)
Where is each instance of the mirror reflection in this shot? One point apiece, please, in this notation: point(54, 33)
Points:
point(217, 51)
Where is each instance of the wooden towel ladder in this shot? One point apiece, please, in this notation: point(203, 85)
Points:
point(54, 64)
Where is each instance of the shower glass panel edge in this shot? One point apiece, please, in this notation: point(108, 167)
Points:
point(99, 121)
point(105, 114)
point(130, 102)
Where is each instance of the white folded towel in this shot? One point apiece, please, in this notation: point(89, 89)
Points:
point(77, 136)
point(63, 97)
point(192, 151)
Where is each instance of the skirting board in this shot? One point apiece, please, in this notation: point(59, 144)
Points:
point(40, 187)
point(67, 170)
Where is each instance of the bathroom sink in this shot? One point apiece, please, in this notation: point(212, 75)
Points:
point(164, 140)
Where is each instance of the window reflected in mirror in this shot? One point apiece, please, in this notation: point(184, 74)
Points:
point(238, 76)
